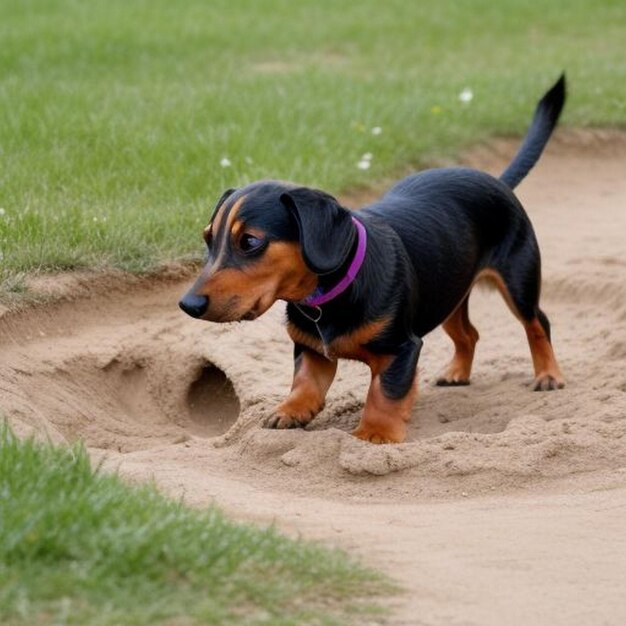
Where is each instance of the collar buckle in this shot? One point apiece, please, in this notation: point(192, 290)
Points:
point(316, 308)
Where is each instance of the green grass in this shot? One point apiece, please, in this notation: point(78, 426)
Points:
point(114, 115)
point(79, 547)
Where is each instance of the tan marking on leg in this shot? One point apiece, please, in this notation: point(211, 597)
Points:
point(384, 420)
point(547, 373)
point(312, 379)
point(464, 335)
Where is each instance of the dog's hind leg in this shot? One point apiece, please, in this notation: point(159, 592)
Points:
point(520, 290)
point(464, 335)
point(547, 372)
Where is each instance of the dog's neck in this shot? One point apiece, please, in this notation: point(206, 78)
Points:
point(384, 263)
point(332, 286)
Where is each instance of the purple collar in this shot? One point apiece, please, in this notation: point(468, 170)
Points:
point(317, 298)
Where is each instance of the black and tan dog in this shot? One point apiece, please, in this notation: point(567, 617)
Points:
point(368, 285)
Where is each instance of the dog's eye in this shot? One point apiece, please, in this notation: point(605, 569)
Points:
point(250, 243)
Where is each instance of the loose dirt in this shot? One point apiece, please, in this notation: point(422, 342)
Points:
point(504, 504)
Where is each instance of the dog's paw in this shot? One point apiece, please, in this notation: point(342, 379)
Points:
point(548, 382)
point(294, 413)
point(280, 422)
point(456, 374)
point(371, 435)
point(454, 381)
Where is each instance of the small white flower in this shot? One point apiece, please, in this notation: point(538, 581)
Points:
point(363, 164)
point(2, 211)
point(377, 130)
point(466, 95)
point(225, 162)
point(95, 219)
point(367, 156)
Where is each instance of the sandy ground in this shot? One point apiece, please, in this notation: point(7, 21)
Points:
point(504, 505)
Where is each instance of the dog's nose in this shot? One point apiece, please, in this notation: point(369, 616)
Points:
point(194, 305)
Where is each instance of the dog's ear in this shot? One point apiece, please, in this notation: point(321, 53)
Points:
point(326, 229)
point(224, 196)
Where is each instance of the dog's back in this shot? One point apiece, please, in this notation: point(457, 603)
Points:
point(456, 222)
point(453, 223)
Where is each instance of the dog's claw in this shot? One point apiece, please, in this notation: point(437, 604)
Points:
point(365, 434)
point(451, 382)
point(455, 375)
point(379, 440)
point(281, 422)
point(547, 382)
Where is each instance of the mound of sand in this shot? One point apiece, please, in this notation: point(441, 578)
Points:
point(494, 480)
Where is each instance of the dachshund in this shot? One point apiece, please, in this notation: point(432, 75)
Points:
point(370, 284)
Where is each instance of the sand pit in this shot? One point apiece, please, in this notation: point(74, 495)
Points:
point(503, 504)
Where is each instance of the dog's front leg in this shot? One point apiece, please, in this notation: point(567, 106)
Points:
point(391, 395)
point(313, 375)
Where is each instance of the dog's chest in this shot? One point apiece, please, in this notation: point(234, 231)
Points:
point(348, 346)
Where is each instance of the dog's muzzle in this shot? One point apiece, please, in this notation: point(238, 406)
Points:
point(194, 305)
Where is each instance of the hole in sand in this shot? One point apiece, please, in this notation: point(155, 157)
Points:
point(213, 403)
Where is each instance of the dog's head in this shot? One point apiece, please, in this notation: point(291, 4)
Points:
point(268, 241)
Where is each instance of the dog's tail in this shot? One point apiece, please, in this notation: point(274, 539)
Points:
point(545, 119)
